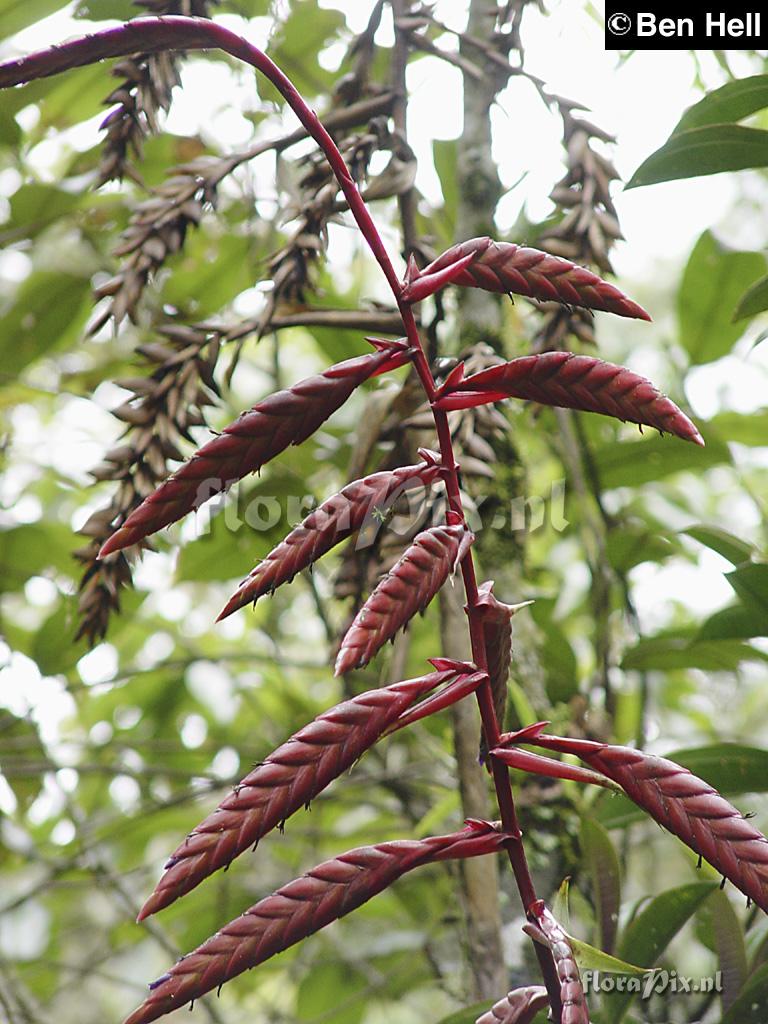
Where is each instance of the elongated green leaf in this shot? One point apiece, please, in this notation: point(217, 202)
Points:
point(590, 959)
point(732, 768)
point(49, 309)
point(731, 102)
point(736, 622)
point(751, 584)
point(751, 1007)
point(20, 748)
point(753, 301)
point(728, 938)
point(633, 463)
point(733, 548)
point(652, 930)
point(668, 652)
point(17, 14)
point(713, 282)
point(699, 151)
point(744, 428)
point(605, 873)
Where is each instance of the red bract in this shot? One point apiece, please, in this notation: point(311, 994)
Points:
point(497, 632)
point(517, 1007)
point(407, 589)
point(282, 419)
point(302, 907)
point(544, 928)
point(504, 267)
point(574, 382)
point(286, 781)
point(361, 504)
point(682, 803)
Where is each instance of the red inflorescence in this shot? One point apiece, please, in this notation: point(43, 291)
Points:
point(574, 382)
point(407, 589)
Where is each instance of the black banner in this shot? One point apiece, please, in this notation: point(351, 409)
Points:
point(639, 26)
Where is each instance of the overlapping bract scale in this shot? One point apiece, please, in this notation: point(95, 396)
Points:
point(289, 779)
point(361, 505)
point(544, 928)
point(277, 421)
point(302, 907)
point(505, 267)
point(574, 382)
point(407, 589)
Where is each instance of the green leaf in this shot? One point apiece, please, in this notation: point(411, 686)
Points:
point(103, 10)
point(296, 45)
point(605, 873)
point(556, 653)
point(732, 768)
point(733, 623)
point(743, 428)
point(751, 585)
point(734, 549)
point(49, 310)
point(699, 151)
point(33, 207)
point(633, 463)
point(333, 989)
point(445, 156)
point(53, 645)
point(751, 1007)
point(17, 14)
point(753, 301)
point(20, 745)
point(635, 543)
point(469, 1014)
point(731, 102)
point(713, 282)
point(30, 549)
point(590, 959)
point(728, 939)
point(652, 930)
point(667, 652)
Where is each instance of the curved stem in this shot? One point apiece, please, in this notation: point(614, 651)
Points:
point(150, 35)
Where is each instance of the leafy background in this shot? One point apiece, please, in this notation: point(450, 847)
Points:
point(109, 756)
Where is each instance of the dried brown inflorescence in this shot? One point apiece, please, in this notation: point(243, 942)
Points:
point(517, 1007)
point(147, 81)
point(157, 418)
point(575, 382)
point(287, 780)
point(361, 505)
point(405, 590)
point(505, 267)
point(282, 419)
point(304, 906)
point(544, 928)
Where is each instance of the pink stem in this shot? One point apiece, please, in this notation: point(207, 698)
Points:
point(149, 35)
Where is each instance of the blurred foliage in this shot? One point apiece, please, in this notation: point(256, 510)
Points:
point(107, 757)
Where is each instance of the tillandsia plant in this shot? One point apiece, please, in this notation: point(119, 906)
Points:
point(301, 768)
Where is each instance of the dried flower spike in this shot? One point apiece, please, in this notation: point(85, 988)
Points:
point(302, 907)
point(282, 419)
point(405, 590)
point(574, 382)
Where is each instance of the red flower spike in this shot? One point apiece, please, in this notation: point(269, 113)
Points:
point(497, 632)
point(304, 906)
point(358, 506)
point(685, 805)
point(574, 382)
point(504, 267)
point(407, 589)
point(546, 929)
point(518, 1007)
point(287, 780)
point(282, 419)
point(427, 284)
